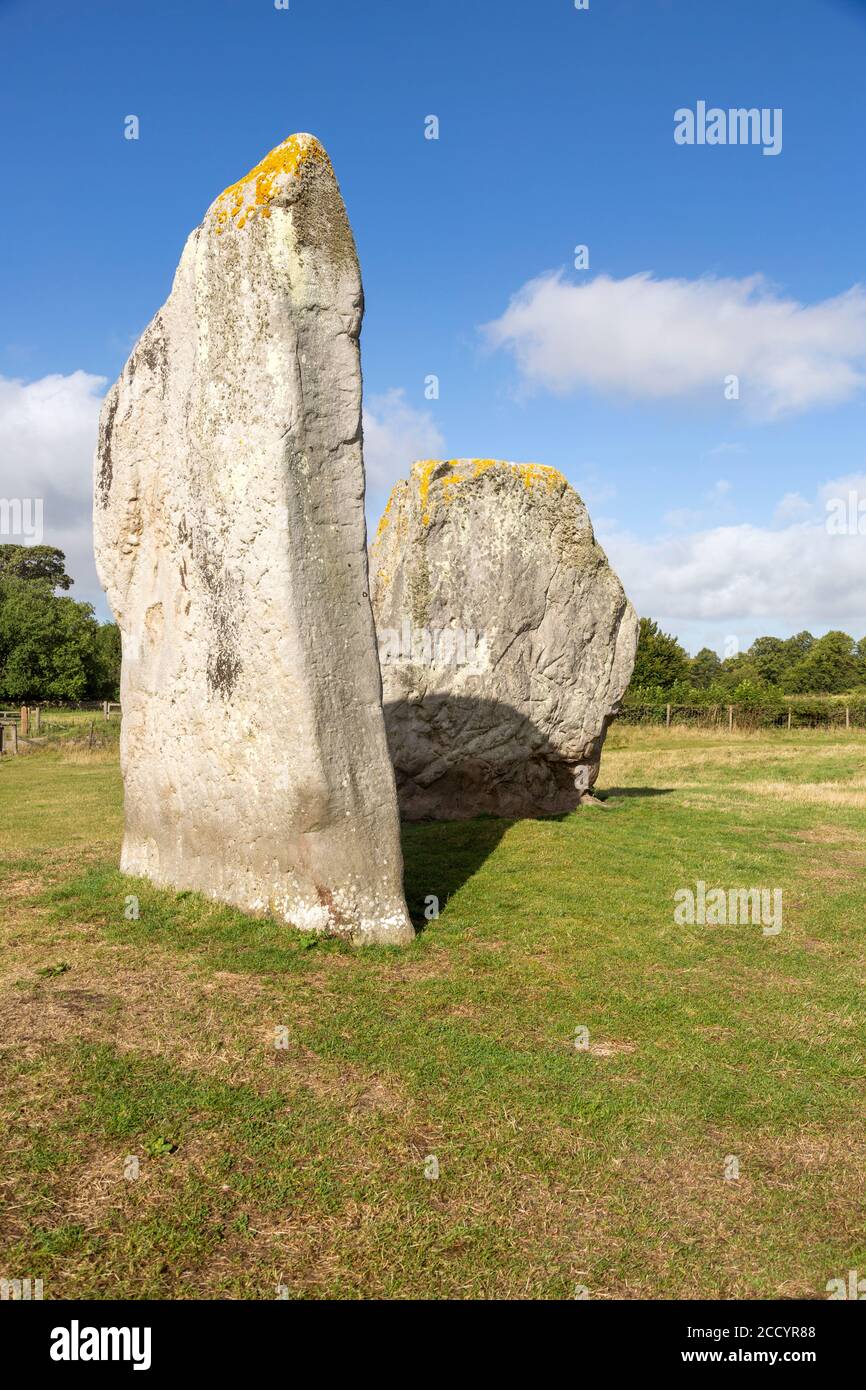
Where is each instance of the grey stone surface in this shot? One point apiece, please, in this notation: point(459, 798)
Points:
point(230, 539)
point(505, 638)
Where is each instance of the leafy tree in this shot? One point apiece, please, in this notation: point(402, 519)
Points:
point(51, 647)
point(802, 664)
point(107, 662)
point(35, 562)
point(799, 645)
point(771, 657)
point(47, 644)
point(736, 670)
point(704, 668)
point(660, 659)
point(829, 666)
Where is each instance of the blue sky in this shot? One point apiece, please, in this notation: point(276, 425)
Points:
point(556, 129)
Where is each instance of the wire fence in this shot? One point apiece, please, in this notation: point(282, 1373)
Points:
point(95, 724)
point(811, 715)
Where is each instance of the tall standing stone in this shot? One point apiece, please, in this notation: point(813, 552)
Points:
point(506, 640)
point(230, 538)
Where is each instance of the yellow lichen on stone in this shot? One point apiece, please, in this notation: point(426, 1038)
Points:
point(532, 473)
point(480, 466)
point(380, 529)
point(423, 470)
point(254, 193)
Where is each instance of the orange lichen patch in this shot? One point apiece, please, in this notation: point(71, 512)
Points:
point(253, 194)
point(383, 523)
point(424, 469)
point(533, 473)
point(464, 470)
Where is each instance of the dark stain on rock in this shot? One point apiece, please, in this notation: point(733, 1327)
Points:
point(321, 223)
point(223, 601)
point(106, 466)
point(223, 669)
point(153, 351)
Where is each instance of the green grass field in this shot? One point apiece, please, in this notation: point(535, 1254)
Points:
point(149, 1047)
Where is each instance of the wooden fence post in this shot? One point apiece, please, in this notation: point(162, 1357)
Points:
point(38, 718)
point(25, 721)
point(668, 716)
point(847, 717)
point(730, 719)
point(105, 709)
point(789, 719)
point(91, 733)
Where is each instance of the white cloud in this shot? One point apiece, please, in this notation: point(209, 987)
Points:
point(719, 490)
point(793, 507)
point(395, 435)
point(662, 339)
point(748, 579)
point(47, 439)
point(681, 517)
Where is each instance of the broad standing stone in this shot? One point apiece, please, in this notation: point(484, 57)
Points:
point(506, 640)
point(230, 539)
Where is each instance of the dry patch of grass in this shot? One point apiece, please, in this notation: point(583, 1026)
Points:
point(813, 793)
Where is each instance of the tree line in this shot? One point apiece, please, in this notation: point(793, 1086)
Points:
point(52, 647)
point(772, 668)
